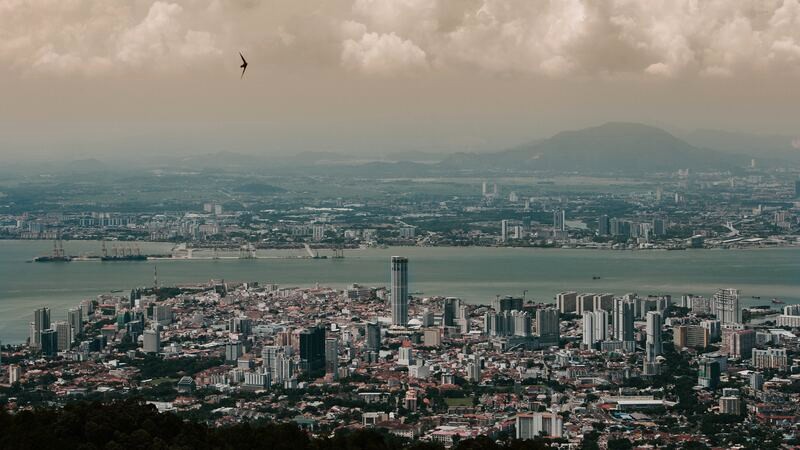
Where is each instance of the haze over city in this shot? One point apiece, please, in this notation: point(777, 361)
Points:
point(400, 224)
point(371, 77)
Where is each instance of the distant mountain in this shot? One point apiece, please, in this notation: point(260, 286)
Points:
point(613, 147)
point(219, 160)
point(415, 155)
point(757, 146)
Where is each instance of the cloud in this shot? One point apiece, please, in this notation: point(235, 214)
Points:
point(161, 37)
point(551, 38)
point(382, 54)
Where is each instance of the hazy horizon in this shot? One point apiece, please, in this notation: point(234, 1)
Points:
point(371, 77)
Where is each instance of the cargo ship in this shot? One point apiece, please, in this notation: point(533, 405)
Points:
point(136, 257)
point(57, 255)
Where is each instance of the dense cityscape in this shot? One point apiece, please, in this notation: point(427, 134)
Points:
point(683, 209)
point(592, 370)
point(400, 225)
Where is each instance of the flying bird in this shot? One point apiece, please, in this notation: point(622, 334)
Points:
point(244, 65)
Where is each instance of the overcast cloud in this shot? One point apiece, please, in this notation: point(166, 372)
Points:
point(403, 43)
point(661, 38)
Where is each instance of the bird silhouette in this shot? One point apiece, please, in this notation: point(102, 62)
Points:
point(244, 65)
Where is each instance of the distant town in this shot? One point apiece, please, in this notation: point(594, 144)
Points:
point(683, 209)
point(650, 370)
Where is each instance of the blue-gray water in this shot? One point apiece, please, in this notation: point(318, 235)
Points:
point(474, 274)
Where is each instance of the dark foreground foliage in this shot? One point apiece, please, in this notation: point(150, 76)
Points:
point(132, 424)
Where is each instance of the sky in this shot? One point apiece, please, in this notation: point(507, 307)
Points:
point(88, 78)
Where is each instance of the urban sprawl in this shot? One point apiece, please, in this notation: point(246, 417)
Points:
point(589, 369)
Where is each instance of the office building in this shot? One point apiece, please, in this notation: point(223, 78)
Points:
point(531, 426)
point(559, 220)
point(547, 326)
point(504, 230)
point(449, 311)
point(405, 354)
point(162, 314)
point(709, 373)
point(152, 342)
point(269, 357)
point(241, 325)
point(603, 225)
point(690, 336)
point(623, 320)
point(741, 343)
point(373, 336)
point(474, 370)
point(714, 329)
point(725, 306)
point(507, 303)
point(64, 335)
point(432, 337)
point(14, 373)
point(399, 296)
point(659, 226)
point(427, 318)
point(75, 320)
point(41, 322)
point(653, 346)
point(233, 350)
point(312, 350)
point(756, 381)
point(49, 342)
point(331, 355)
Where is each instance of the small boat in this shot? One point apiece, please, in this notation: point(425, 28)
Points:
point(756, 297)
point(595, 277)
point(777, 302)
point(114, 291)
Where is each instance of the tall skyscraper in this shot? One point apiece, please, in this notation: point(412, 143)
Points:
point(600, 325)
point(653, 343)
point(41, 322)
point(566, 302)
point(373, 336)
point(449, 311)
point(508, 303)
point(64, 335)
point(659, 226)
point(622, 320)
point(547, 326)
point(152, 342)
point(399, 298)
point(49, 342)
point(725, 306)
point(559, 220)
point(589, 328)
point(603, 225)
point(75, 320)
point(312, 349)
point(708, 374)
point(331, 355)
point(504, 230)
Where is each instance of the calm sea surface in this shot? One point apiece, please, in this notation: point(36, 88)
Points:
point(474, 274)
